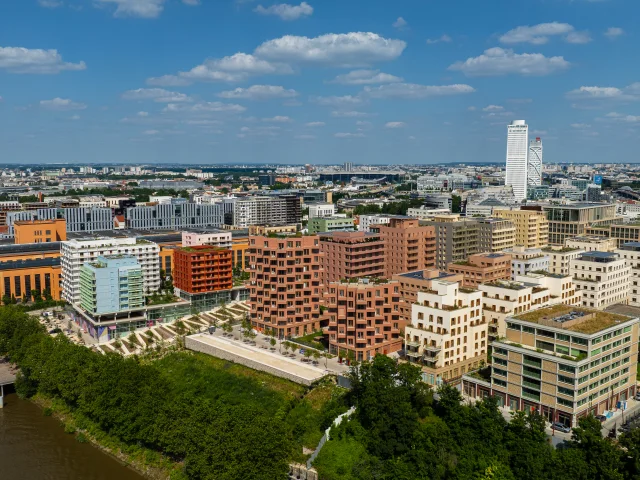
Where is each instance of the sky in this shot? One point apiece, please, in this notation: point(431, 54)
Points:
point(210, 82)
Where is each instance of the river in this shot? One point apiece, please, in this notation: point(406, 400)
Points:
point(35, 447)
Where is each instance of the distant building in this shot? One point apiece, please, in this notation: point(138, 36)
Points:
point(481, 268)
point(534, 163)
point(202, 269)
point(517, 158)
point(218, 238)
point(495, 234)
point(603, 279)
point(366, 221)
point(266, 210)
point(456, 238)
point(560, 259)
point(572, 220)
point(177, 216)
point(591, 243)
point(321, 210)
point(527, 260)
point(532, 227)
point(630, 253)
point(40, 231)
point(329, 224)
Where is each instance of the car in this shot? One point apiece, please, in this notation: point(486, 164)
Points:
point(561, 427)
point(55, 330)
point(602, 418)
point(638, 396)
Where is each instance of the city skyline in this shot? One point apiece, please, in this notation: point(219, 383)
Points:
point(322, 83)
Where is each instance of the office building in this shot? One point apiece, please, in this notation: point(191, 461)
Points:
point(321, 210)
point(21, 278)
point(481, 268)
point(267, 210)
point(455, 238)
point(40, 231)
point(363, 318)
point(202, 269)
point(563, 362)
point(495, 234)
point(448, 335)
point(603, 279)
point(110, 284)
point(532, 227)
point(366, 221)
point(286, 284)
point(618, 233)
point(517, 158)
point(534, 165)
point(77, 219)
point(351, 255)
point(572, 220)
point(75, 253)
point(527, 260)
point(330, 224)
point(177, 216)
point(560, 258)
point(630, 253)
point(219, 238)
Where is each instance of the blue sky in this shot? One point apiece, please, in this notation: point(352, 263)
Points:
point(322, 81)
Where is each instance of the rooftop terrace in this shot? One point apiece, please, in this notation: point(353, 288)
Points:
point(572, 318)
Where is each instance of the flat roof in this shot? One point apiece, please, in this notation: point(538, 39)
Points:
point(601, 257)
point(557, 315)
point(581, 205)
point(31, 263)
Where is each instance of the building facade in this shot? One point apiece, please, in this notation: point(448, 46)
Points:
point(40, 231)
point(321, 210)
point(202, 268)
point(630, 253)
point(591, 243)
point(534, 163)
point(517, 158)
point(19, 279)
point(532, 227)
point(603, 279)
point(266, 210)
point(482, 267)
point(352, 255)
point(527, 260)
point(222, 239)
point(455, 239)
point(560, 259)
point(495, 235)
point(330, 224)
point(572, 220)
point(177, 216)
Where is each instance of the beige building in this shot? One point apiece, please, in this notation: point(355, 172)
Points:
point(591, 243)
point(563, 362)
point(482, 267)
point(630, 253)
point(455, 239)
point(603, 278)
point(532, 227)
point(560, 257)
point(495, 234)
point(447, 335)
point(527, 260)
point(572, 220)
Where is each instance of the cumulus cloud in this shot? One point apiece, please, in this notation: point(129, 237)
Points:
point(441, 39)
point(234, 68)
point(613, 32)
point(578, 37)
point(493, 108)
point(74, 117)
point(191, 3)
point(259, 92)
point(151, 132)
point(541, 33)
point(157, 95)
point(204, 107)
point(628, 93)
point(415, 91)
point(365, 77)
point(277, 119)
point(348, 114)
point(400, 23)
point(305, 137)
point(26, 60)
point(499, 61)
point(355, 48)
point(348, 135)
point(315, 124)
point(621, 118)
point(580, 125)
point(394, 124)
point(286, 11)
point(136, 8)
point(143, 114)
point(338, 101)
point(62, 104)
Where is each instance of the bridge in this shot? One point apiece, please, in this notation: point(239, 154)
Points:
point(7, 377)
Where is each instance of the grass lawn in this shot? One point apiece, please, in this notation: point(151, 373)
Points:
point(338, 458)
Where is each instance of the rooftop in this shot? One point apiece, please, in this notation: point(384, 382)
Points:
point(572, 318)
point(600, 257)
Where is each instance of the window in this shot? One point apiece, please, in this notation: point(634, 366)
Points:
point(563, 379)
point(566, 403)
point(528, 329)
point(566, 391)
point(498, 371)
point(501, 383)
point(500, 361)
point(566, 368)
point(513, 326)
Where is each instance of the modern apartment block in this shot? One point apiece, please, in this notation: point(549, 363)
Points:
point(286, 284)
point(408, 245)
point(456, 239)
point(447, 335)
point(202, 269)
point(75, 253)
point(352, 255)
point(321, 210)
point(363, 318)
point(560, 258)
point(40, 231)
point(527, 260)
point(563, 362)
point(266, 210)
point(177, 216)
point(630, 253)
point(482, 267)
point(592, 243)
point(573, 220)
point(532, 227)
point(219, 238)
point(366, 221)
point(19, 278)
point(78, 219)
point(111, 284)
point(495, 234)
point(330, 224)
point(603, 278)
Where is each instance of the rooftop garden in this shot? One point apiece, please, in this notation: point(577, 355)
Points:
point(560, 250)
point(600, 321)
point(506, 284)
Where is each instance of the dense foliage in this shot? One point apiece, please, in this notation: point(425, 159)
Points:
point(393, 208)
point(400, 432)
point(222, 421)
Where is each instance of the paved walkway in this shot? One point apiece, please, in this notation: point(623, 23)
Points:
point(7, 373)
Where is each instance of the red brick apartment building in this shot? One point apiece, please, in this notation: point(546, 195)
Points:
point(351, 255)
point(286, 283)
point(202, 268)
point(482, 268)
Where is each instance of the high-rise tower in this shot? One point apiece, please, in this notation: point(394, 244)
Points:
point(534, 169)
point(517, 140)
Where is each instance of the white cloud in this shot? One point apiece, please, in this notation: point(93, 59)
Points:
point(349, 114)
point(157, 95)
point(235, 68)
point(578, 37)
point(614, 32)
point(442, 39)
point(277, 119)
point(580, 125)
point(168, 81)
point(620, 118)
point(62, 104)
point(414, 91)
point(151, 132)
point(50, 3)
point(259, 92)
point(355, 48)
point(338, 101)
point(493, 108)
point(191, 3)
point(400, 23)
point(143, 114)
point(270, 131)
point(75, 117)
point(499, 61)
point(411, 137)
point(348, 135)
point(536, 34)
point(538, 132)
point(628, 93)
point(204, 107)
point(315, 124)
point(286, 11)
point(395, 124)
point(25, 60)
point(472, 108)
point(136, 8)
point(305, 137)
point(365, 77)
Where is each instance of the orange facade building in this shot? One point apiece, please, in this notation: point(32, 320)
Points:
point(286, 284)
point(351, 255)
point(40, 231)
point(482, 268)
point(202, 268)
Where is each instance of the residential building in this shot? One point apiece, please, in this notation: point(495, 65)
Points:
point(573, 220)
point(526, 260)
point(111, 283)
point(603, 278)
point(177, 216)
point(517, 158)
point(447, 335)
point(591, 243)
point(286, 284)
point(267, 210)
point(40, 231)
point(619, 233)
point(77, 219)
point(276, 229)
point(495, 234)
point(534, 163)
point(352, 255)
point(202, 269)
point(424, 213)
point(563, 362)
point(218, 238)
point(481, 268)
point(408, 246)
point(75, 253)
point(456, 239)
point(20, 278)
point(630, 253)
point(330, 224)
point(321, 210)
point(363, 318)
point(560, 258)
point(532, 227)
point(366, 221)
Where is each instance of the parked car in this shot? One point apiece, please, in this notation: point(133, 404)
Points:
point(602, 418)
point(638, 396)
point(55, 330)
point(47, 314)
point(561, 427)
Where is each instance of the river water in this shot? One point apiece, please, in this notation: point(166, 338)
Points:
point(35, 447)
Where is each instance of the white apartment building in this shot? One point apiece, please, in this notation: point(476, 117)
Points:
point(560, 258)
point(320, 210)
point(75, 253)
point(591, 243)
point(367, 220)
point(447, 335)
point(220, 239)
point(603, 278)
point(534, 163)
point(527, 260)
point(630, 253)
point(517, 154)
